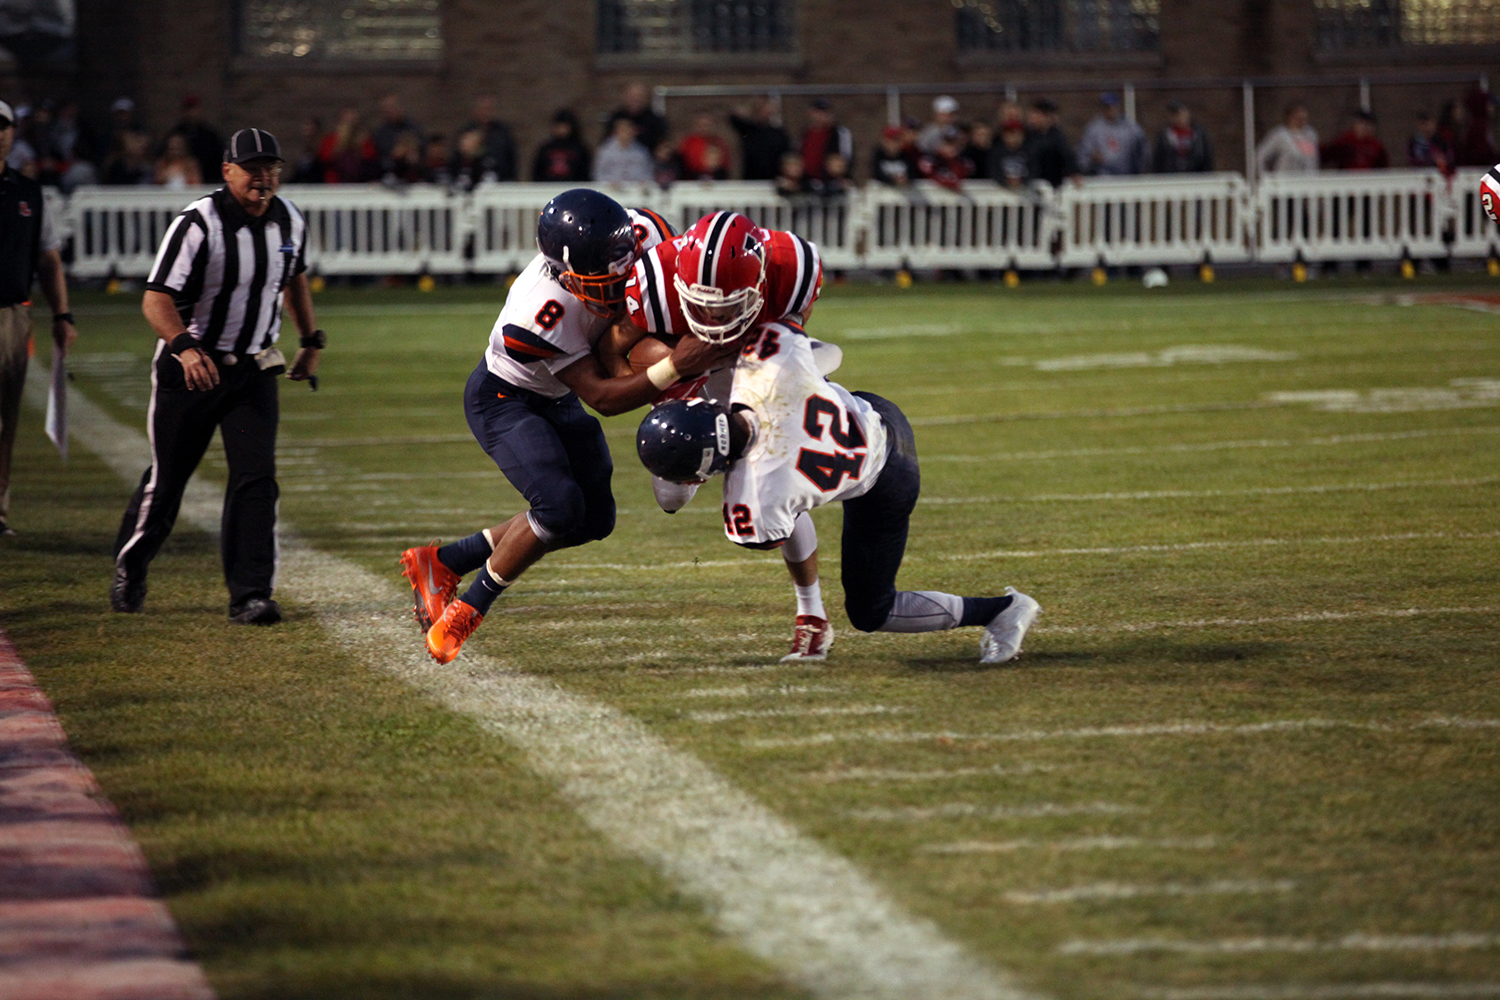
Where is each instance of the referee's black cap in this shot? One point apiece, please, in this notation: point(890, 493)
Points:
point(252, 144)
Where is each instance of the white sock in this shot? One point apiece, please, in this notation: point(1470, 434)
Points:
point(924, 611)
point(810, 600)
point(489, 538)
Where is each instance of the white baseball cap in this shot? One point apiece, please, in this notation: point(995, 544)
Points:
point(6, 112)
point(945, 105)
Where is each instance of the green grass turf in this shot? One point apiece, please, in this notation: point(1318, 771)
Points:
point(1206, 551)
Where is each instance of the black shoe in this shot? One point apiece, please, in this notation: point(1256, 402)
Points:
point(127, 593)
point(255, 611)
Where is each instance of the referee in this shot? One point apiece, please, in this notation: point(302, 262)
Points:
point(226, 266)
point(28, 247)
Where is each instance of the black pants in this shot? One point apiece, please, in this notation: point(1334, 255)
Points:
point(875, 525)
point(552, 452)
point(244, 406)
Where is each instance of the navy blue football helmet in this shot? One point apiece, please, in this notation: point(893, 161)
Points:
point(684, 441)
point(589, 239)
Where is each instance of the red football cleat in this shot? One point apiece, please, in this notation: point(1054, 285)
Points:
point(810, 639)
point(447, 635)
point(433, 584)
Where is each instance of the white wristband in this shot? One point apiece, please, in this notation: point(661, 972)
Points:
point(662, 374)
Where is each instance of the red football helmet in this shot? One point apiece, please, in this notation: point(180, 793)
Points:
point(721, 276)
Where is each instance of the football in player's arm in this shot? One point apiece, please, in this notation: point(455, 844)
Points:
point(789, 441)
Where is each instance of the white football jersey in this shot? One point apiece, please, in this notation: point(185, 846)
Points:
point(814, 441)
point(543, 328)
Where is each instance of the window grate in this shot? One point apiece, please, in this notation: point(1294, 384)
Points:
point(1386, 24)
point(1057, 25)
point(344, 30)
point(689, 27)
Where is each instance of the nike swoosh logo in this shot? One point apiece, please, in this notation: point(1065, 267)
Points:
point(432, 586)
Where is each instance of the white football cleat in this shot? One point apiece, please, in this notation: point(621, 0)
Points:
point(1002, 636)
point(810, 639)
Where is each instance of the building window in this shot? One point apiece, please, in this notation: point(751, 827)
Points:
point(1384, 24)
point(693, 27)
point(1057, 25)
point(341, 30)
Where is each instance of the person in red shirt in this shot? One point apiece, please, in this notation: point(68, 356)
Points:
point(1358, 148)
point(703, 152)
point(822, 136)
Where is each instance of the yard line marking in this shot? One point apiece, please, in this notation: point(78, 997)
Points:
point(1240, 946)
point(1254, 491)
point(746, 691)
point(1332, 439)
point(1124, 411)
point(733, 714)
point(1110, 550)
point(966, 810)
point(1303, 618)
point(1118, 890)
point(783, 896)
point(872, 774)
point(1323, 991)
point(1070, 844)
point(1095, 732)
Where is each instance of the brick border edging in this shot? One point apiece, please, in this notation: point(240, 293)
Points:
point(79, 915)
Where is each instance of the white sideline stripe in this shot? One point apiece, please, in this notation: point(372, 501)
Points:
point(1323, 991)
point(1118, 890)
point(784, 897)
point(872, 774)
point(746, 691)
point(1071, 844)
point(731, 714)
point(1241, 946)
point(1298, 619)
point(1094, 732)
point(1317, 442)
point(964, 810)
point(1115, 550)
point(1255, 491)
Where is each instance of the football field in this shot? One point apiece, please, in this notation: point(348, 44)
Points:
point(1251, 750)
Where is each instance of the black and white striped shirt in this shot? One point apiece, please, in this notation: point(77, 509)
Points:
point(226, 270)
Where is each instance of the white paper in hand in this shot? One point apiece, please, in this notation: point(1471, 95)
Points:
point(57, 404)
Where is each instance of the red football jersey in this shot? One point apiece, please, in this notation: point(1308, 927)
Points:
point(794, 276)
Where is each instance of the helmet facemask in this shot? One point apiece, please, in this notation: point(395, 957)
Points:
point(714, 316)
point(601, 294)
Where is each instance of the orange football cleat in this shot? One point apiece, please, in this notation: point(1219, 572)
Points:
point(447, 635)
point(433, 584)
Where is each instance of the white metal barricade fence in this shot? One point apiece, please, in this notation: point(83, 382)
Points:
point(1370, 215)
point(983, 226)
point(1185, 219)
point(368, 229)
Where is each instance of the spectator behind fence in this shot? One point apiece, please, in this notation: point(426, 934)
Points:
point(129, 163)
point(1291, 147)
point(1112, 145)
point(121, 119)
point(944, 117)
point(1182, 147)
point(466, 167)
point(499, 143)
point(205, 144)
point(177, 167)
point(822, 136)
point(621, 159)
point(1010, 160)
point(563, 158)
point(666, 165)
point(977, 150)
point(439, 160)
point(394, 123)
point(1476, 147)
point(348, 152)
point(407, 161)
point(76, 147)
point(836, 182)
point(635, 104)
point(49, 164)
point(792, 180)
point(894, 162)
point(693, 150)
point(762, 140)
point(1049, 155)
point(1357, 147)
point(306, 167)
point(1427, 148)
point(946, 164)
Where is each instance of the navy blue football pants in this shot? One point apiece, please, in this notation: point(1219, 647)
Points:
point(875, 524)
point(552, 452)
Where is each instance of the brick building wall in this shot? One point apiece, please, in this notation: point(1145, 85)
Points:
point(536, 56)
